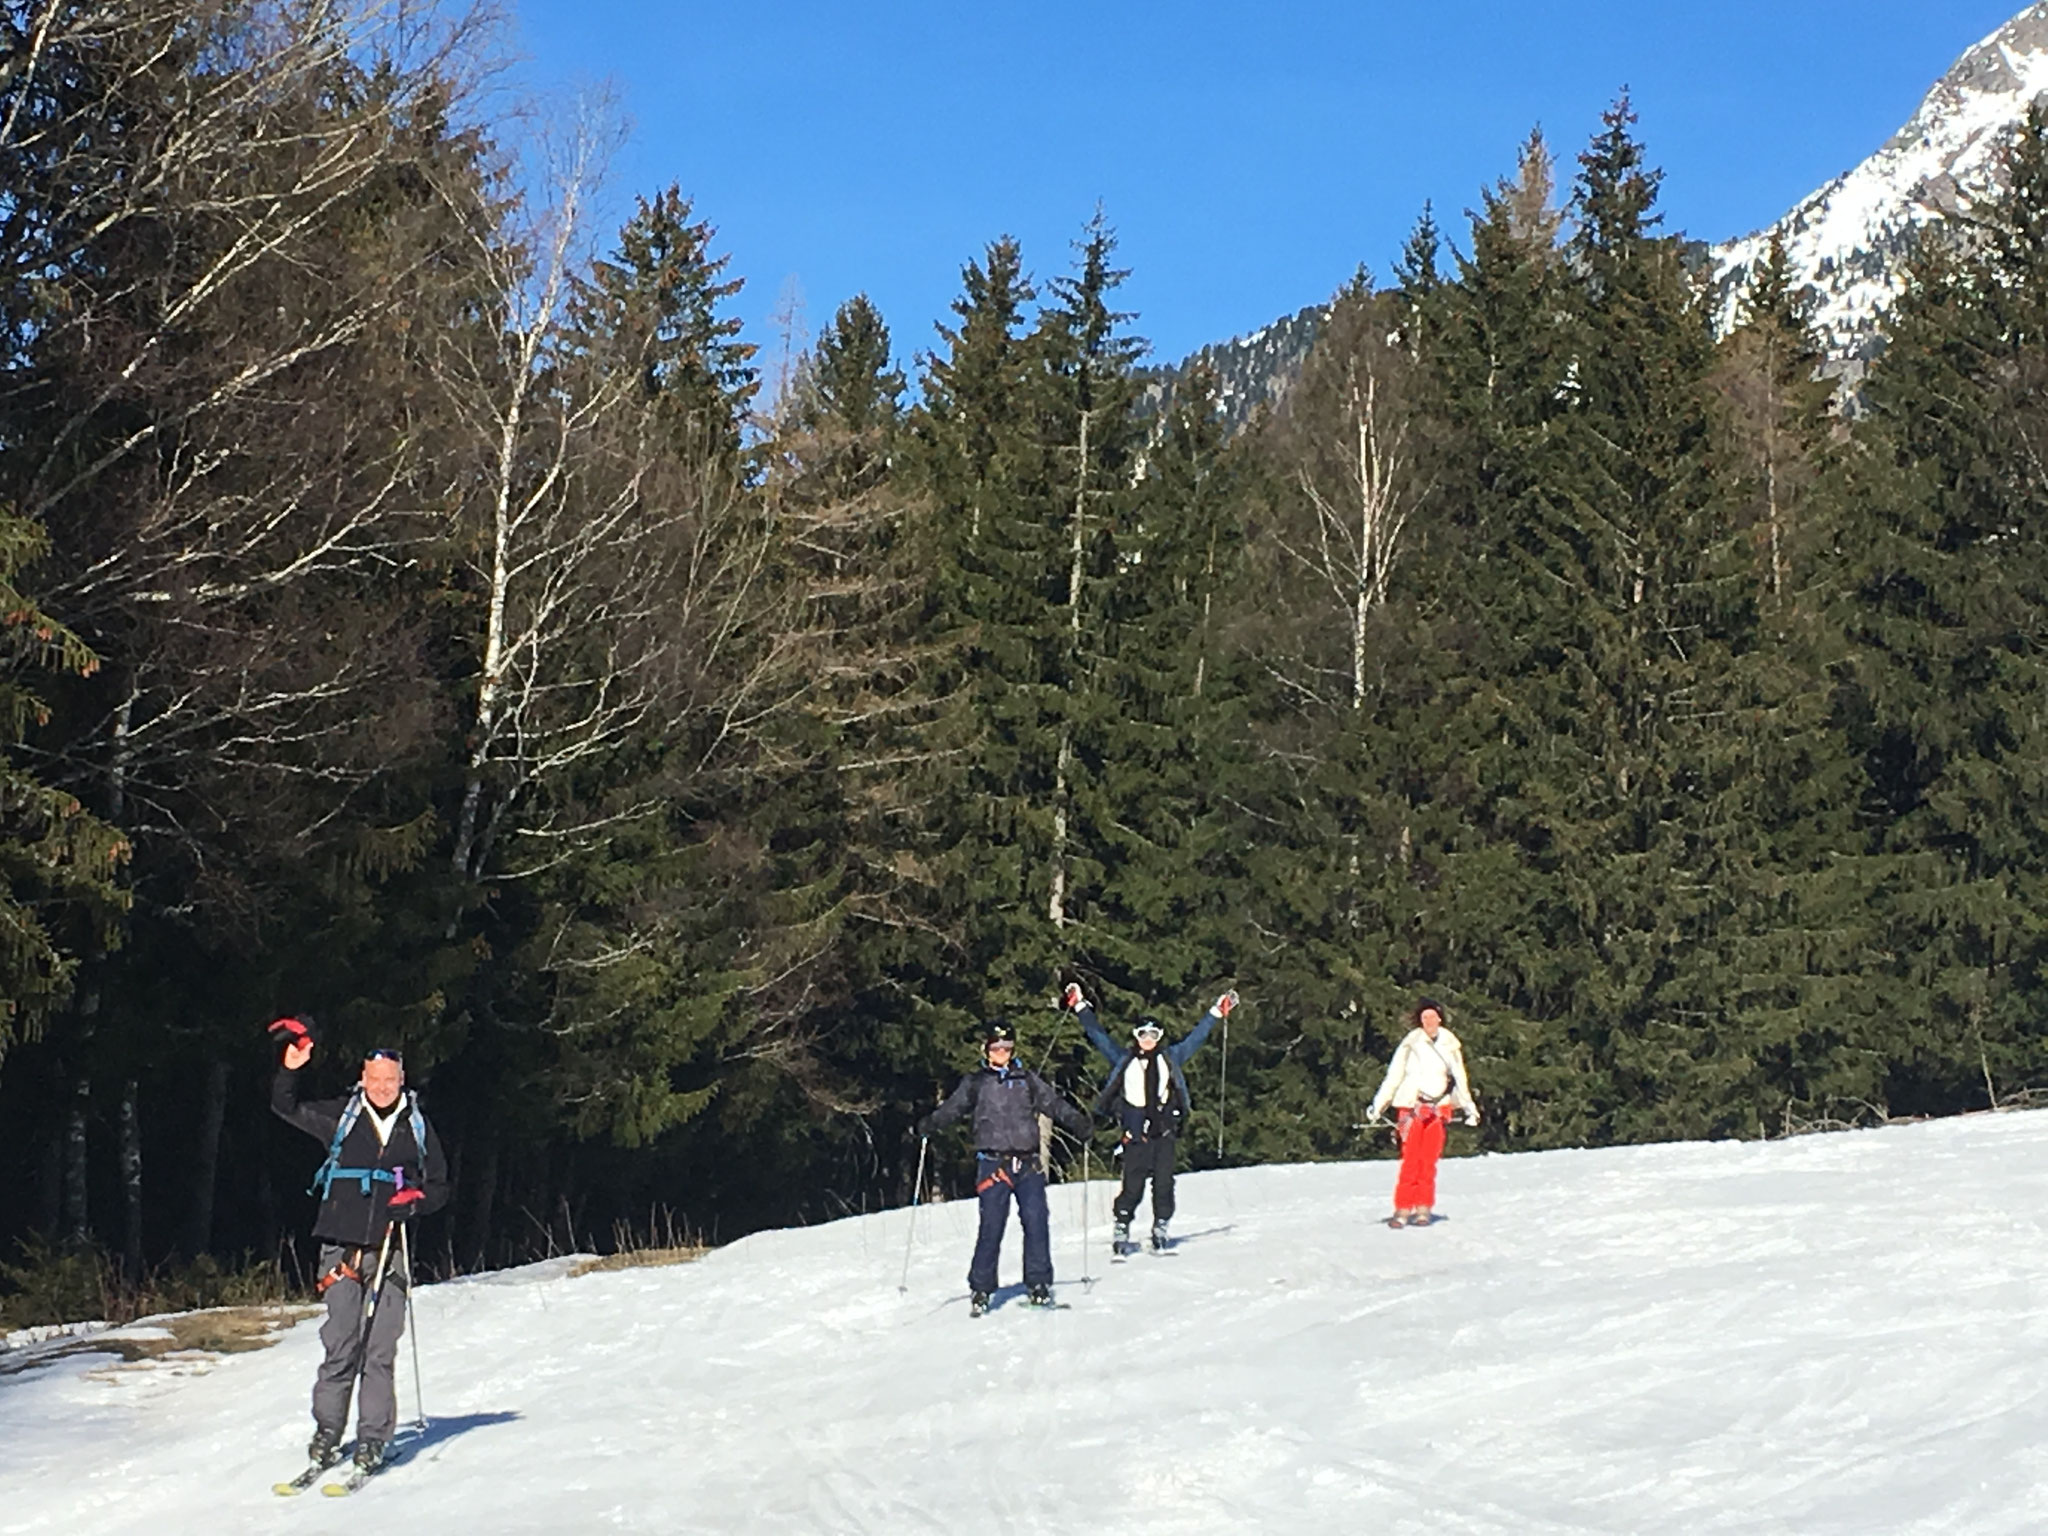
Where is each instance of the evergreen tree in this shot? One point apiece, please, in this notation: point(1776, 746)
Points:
point(1945, 571)
point(60, 891)
point(1000, 575)
point(664, 287)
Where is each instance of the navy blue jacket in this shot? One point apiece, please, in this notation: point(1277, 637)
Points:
point(1006, 1103)
point(1132, 1116)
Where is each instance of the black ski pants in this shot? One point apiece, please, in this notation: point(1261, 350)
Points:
point(1147, 1158)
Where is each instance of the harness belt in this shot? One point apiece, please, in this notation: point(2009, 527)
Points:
point(1009, 1166)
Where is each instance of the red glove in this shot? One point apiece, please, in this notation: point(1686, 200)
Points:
point(1073, 999)
point(403, 1204)
point(296, 1037)
point(1224, 1004)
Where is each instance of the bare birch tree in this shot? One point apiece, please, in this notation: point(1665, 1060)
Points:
point(225, 221)
point(618, 569)
point(1359, 468)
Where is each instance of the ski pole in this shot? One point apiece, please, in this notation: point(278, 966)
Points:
point(916, 1197)
point(1223, 1089)
point(419, 1400)
point(1085, 1279)
point(369, 1316)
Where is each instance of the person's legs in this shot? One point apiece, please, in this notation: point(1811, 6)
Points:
point(1037, 1229)
point(377, 1407)
point(1162, 1179)
point(1137, 1167)
point(1406, 1187)
point(1422, 1142)
point(992, 1186)
point(335, 1381)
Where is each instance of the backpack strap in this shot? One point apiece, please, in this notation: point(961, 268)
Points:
point(324, 1179)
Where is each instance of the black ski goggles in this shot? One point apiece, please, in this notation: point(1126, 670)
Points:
point(384, 1053)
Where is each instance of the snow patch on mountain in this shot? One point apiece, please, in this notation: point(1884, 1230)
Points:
point(1848, 241)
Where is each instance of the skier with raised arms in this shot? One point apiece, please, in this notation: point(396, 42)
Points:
point(1006, 1100)
point(1147, 1091)
point(1426, 1085)
point(384, 1167)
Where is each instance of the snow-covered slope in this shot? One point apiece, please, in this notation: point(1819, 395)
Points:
point(1839, 1334)
point(1847, 241)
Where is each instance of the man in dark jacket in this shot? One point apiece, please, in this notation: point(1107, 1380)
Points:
point(1148, 1093)
point(384, 1167)
point(1006, 1101)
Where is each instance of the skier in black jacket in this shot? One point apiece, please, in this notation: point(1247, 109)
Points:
point(1006, 1101)
point(384, 1167)
point(1148, 1093)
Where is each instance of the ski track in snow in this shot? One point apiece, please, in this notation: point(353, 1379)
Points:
point(1837, 1334)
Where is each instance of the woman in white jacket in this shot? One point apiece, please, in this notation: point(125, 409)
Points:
point(1426, 1085)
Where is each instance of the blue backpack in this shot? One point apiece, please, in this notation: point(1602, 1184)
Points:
point(332, 1169)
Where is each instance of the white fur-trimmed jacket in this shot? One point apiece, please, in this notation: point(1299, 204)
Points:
point(1426, 1071)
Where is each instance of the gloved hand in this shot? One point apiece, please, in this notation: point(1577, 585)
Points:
point(296, 1036)
point(404, 1204)
point(1073, 999)
point(1225, 1003)
point(923, 1127)
point(1472, 1115)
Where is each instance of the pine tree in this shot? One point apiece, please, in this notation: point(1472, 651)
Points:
point(1000, 574)
point(1945, 571)
point(60, 891)
point(664, 287)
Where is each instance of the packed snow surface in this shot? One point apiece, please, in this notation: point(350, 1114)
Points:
point(1833, 1334)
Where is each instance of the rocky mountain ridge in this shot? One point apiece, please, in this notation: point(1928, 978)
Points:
point(1847, 242)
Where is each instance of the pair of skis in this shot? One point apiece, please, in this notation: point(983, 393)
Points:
point(981, 1308)
point(349, 1477)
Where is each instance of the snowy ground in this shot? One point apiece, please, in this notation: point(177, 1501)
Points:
point(1835, 1334)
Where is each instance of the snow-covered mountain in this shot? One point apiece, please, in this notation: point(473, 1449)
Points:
point(1833, 1335)
point(1847, 241)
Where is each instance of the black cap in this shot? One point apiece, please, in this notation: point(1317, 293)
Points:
point(998, 1029)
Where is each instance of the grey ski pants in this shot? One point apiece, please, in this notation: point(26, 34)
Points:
point(377, 1410)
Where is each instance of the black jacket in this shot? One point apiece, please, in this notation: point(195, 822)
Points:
point(352, 1215)
point(1006, 1105)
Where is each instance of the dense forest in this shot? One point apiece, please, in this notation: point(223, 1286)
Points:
point(418, 611)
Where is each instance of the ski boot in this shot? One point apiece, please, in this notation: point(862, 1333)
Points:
point(1039, 1296)
point(1399, 1219)
point(1160, 1241)
point(977, 1304)
point(1120, 1238)
point(1421, 1216)
point(369, 1454)
point(325, 1450)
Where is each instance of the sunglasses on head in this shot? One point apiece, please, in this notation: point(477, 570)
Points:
point(384, 1053)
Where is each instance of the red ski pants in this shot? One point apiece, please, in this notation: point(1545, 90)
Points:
point(1422, 1143)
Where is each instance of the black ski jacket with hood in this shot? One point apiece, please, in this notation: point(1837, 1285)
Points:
point(353, 1212)
point(1006, 1103)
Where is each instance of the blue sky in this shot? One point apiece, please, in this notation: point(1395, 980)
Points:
point(1250, 155)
